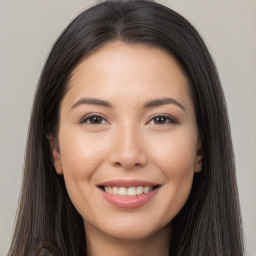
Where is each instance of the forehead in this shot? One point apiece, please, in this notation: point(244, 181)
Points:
point(130, 70)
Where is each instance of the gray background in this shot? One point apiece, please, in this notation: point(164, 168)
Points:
point(29, 28)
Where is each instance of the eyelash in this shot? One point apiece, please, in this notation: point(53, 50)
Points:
point(90, 117)
point(168, 119)
point(164, 117)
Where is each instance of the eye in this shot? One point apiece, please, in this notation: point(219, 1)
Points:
point(163, 120)
point(93, 120)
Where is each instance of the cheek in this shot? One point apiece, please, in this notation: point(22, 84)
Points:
point(81, 155)
point(176, 155)
point(176, 158)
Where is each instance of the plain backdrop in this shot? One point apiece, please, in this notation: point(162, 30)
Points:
point(29, 28)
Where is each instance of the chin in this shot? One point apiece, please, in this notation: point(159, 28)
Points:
point(134, 232)
point(132, 235)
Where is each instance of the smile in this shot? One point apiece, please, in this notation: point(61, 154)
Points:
point(129, 194)
point(130, 191)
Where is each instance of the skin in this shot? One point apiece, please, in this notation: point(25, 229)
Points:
point(127, 142)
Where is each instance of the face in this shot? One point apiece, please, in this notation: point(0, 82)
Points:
point(127, 143)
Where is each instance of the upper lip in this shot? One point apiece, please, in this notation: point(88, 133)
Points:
point(128, 183)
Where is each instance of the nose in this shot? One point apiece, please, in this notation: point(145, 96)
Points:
point(128, 149)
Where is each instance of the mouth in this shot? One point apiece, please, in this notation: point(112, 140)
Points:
point(129, 194)
point(128, 191)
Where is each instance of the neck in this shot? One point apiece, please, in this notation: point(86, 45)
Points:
point(99, 243)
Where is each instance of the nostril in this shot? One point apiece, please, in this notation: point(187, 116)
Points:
point(127, 165)
point(117, 164)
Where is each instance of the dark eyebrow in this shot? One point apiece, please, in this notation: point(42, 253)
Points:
point(91, 101)
point(148, 104)
point(164, 101)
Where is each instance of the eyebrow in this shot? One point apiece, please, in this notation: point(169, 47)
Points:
point(148, 104)
point(92, 101)
point(163, 101)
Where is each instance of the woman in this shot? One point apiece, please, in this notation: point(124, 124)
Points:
point(129, 149)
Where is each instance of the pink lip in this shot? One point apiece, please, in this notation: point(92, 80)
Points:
point(128, 202)
point(128, 183)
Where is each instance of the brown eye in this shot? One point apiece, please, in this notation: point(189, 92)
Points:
point(163, 119)
point(93, 120)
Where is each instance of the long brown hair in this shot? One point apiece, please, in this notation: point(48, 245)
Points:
point(209, 223)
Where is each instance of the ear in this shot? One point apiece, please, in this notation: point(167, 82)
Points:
point(56, 156)
point(199, 159)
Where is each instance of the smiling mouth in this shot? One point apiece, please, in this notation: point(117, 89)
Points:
point(128, 191)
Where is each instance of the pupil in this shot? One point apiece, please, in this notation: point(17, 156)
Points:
point(95, 120)
point(160, 120)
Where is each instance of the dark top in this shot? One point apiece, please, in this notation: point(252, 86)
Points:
point(45, 252)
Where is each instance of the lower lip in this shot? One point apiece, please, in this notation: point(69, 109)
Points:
point(128, 202)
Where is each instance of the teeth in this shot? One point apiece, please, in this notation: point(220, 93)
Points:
point(145, 189)
point(131, 191)
point(115, 190)
point(139, 190)
point(122, 191)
